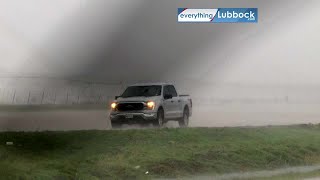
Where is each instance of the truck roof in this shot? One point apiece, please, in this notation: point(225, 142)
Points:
point(150, 84)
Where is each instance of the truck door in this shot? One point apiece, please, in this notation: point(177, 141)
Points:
point(168, 103)
point(174, 102)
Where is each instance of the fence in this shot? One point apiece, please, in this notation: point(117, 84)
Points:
point(56, 96)
point(36, 91)
point(57, 92)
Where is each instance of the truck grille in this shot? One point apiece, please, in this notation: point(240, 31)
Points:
point(130, 106)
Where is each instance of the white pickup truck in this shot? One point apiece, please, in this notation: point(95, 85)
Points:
point(154, 103)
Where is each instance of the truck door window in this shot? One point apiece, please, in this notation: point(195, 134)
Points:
point(166, 91)
point(172, 91)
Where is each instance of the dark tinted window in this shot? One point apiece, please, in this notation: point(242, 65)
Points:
point(165, 90)
point(173, 91)
point(142, 91)
point(170, 90)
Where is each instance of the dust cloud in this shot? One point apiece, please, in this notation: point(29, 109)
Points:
point(237, 74)
point(203, 116)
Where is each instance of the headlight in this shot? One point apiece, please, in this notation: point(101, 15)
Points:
point(113, 105)
point(151, 105)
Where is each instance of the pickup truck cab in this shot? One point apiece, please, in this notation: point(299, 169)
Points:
point(154, 103)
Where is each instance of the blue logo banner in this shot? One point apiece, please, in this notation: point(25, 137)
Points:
point(218, 15)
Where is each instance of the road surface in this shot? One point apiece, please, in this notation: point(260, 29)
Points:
point(203, 116)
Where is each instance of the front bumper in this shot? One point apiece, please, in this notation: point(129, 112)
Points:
point(132, 117)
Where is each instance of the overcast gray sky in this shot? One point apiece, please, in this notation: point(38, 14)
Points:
point(141, 40)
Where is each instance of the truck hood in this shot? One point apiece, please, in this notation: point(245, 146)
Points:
point(137, 99)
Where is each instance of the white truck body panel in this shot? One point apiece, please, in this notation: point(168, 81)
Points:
point(173, 107)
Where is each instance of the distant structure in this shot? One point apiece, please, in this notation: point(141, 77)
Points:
point(33, 91)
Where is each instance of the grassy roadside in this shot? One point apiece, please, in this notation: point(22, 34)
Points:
point(162, 152)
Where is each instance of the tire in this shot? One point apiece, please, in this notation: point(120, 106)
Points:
point(184, 121)
point(159, 122)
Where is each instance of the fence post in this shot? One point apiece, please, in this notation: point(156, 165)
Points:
point(28, 98)
point(3, 96)
point(100, 96)
point(67, 97)
point(55, 96)
point(42, 97)
point(14, 96)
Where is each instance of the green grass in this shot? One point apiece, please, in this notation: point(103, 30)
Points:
point(161, 152)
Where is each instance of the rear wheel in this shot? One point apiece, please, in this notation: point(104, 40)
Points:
point(184, 121)
point(160, 119)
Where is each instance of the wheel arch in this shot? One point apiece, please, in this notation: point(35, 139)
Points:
point(186, 106)
point(160, 107)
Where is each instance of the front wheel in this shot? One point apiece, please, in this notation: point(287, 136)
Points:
point(115, 125)
point(160, 119)
point(184, 121)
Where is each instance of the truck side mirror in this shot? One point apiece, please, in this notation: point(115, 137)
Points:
point(116, 97)
point(168, 96)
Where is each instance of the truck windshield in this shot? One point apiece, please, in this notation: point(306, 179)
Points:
point(142, 91)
